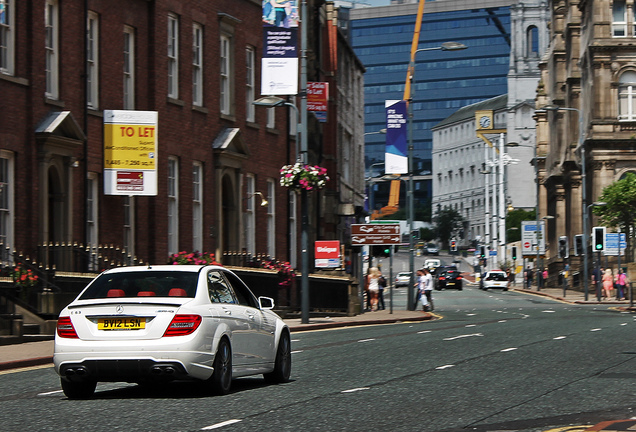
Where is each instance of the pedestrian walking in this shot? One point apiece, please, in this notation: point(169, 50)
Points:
point(528, 276)
point(373, 287)
point(544, 276)
point(608, 283)
point(382, 285)
point(428, 289)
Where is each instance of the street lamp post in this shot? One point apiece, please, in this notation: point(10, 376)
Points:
point(584, 206)
point(446, 46)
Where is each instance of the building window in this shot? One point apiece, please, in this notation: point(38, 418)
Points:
point(197, 206)
point(627, 96)
point(197, 65)
point(173, 56)
point(129, 68)
point(92, 63)
point(129, 228)
point(250, 215)
point(619, 19)
point(532, 39)
point(51, 44)
point(7, 26)
point(92, 217)
point(293, 229)
point(225, 63)
point(173, 206)
point(250, 84)
point(6, 203)
point(271, 218)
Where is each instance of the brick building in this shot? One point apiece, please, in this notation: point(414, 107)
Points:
point(197, 64)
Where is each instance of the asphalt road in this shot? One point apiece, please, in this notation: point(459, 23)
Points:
point(494, 361)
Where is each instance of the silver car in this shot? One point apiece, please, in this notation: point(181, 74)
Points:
point(164, 323)
point(402, 279)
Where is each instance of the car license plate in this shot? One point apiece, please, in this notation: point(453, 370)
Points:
point(451, 283)
point(121, 323)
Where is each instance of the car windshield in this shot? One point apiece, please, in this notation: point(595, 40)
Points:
point(142, 284)
point(496, 276)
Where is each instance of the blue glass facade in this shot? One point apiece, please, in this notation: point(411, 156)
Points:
point(444, 81)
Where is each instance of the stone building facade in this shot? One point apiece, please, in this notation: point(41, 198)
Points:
point(590, 73)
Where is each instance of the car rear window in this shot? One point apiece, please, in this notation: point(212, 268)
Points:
point(142, 284)
point(496, 277)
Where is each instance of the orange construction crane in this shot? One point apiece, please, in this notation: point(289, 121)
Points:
point(394, 197)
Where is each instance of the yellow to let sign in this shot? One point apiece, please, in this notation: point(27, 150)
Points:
point(130, 146)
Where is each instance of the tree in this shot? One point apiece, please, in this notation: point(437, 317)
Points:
point(514, 219)
point(619, 212)
point(447, 222)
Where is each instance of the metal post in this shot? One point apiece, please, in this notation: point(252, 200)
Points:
point(391, 281)
point(539, 232)
point(410, 296)
point(304, 246)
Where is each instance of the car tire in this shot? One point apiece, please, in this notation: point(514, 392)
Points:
point(283, 363)
point(78, 389)
point(221, 379)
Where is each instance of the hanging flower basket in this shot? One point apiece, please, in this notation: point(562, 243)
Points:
point(300, 176)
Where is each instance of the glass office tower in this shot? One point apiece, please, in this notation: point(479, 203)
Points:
point(443, 82)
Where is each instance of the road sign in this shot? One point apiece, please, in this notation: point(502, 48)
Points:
point(611, 244)
point(375, 234)
point(529, 238)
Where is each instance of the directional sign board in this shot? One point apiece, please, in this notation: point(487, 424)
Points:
point(375, 234)
point(612, 246)
point(529, 238)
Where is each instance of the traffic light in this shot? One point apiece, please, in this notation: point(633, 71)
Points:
point(564, 247)
point(514, 252)
point(578, 244)
point(386, 251)
point(598, 238)
point(453, 246)
point(482, 251)
point(415, 234)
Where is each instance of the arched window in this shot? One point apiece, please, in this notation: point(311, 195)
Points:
point(627, 96)
point(532, 39)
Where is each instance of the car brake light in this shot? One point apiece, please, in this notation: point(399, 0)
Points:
point(65, 328)
point(182, 325)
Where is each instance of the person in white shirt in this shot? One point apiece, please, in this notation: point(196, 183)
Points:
point(428, 290)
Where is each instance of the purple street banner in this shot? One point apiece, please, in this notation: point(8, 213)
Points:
point(395, 156)
point(279, 66)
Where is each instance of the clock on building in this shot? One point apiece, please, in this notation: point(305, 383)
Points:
point(483, 119)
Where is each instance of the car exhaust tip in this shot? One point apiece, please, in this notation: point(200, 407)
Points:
point(169, 370)
point(69, 372)
point(156, 370)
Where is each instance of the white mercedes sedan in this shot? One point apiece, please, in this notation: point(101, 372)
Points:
point(171, 322)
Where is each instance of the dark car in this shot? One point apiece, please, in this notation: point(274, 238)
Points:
point(449, 278)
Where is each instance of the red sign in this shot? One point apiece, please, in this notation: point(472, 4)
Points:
point(327, 254)
point(317, 96)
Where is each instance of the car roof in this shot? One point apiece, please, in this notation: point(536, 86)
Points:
point(163, 267)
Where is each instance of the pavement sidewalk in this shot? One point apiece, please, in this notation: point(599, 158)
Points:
point(28, 354)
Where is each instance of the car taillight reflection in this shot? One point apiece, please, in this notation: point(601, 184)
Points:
point(183, 325)
point(65, 328)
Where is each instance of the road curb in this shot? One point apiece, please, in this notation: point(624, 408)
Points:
point(17, 364)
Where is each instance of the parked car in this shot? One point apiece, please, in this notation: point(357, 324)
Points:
point(432, 264)
point(174, 322)
point(494, 279)
point(449, 278)
point(402, 279)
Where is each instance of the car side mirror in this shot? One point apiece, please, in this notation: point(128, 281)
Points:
point(266, 303)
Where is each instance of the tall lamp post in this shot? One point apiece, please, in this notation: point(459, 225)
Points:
point(446, 46)
point(301, 155)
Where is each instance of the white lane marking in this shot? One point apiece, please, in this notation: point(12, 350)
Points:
point(548, 311)
point(471, 314)
point(220, 425)
point(295, 340)
point(297, 352)
point(471, 325)
point(356, 389)
point(596, 329)
point(50, 393)
point(444, 367)
point(464, 336)
point(502, 321)
point(424, 331)
point(366, 340)
point(624, 324)
point(508, 349)
point(560, 337)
